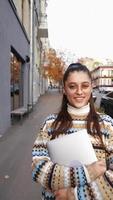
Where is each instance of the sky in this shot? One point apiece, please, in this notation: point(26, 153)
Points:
point(83, 27)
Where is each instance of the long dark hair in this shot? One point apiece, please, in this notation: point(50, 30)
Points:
point(64, 120)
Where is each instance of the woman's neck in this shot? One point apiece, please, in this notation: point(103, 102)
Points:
point(78, 111)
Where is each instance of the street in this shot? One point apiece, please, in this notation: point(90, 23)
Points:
point(15, 152)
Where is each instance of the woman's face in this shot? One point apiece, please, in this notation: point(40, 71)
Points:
point(78, 89)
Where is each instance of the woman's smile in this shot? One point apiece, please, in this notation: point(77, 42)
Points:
point(79, 98)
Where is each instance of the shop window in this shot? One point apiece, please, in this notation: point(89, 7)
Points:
point(16, 84)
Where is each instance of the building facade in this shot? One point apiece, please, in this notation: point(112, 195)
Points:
point(103, 78)
point(20, 57)
point(43, 35)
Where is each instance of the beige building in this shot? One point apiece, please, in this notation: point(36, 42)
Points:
point(33, 15)
point(23, 11)
point(43, 34)
point(103, 78)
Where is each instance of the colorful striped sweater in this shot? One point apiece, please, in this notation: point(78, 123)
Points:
point(54, 176)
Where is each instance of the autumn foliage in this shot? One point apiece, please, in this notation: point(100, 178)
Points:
point(53, 67)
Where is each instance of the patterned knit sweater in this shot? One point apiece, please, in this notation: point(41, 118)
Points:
point(54, 176)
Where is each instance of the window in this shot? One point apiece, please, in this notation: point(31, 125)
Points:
point(16, 83)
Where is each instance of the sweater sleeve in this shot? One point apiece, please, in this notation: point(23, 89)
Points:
point(51, 175)
point(109, 154)
point(108, 141)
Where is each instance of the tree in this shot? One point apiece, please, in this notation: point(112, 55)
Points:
point(54, 66)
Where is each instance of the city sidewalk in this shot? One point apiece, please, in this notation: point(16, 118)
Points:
point(15, 151)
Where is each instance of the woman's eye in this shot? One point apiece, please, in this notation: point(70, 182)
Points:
point(85, 86)
point(71, 86)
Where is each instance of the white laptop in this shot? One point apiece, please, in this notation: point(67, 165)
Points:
point(73, 147)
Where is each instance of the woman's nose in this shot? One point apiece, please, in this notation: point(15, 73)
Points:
point(79, 90)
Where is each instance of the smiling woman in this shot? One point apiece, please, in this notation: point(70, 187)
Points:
point(75, 180)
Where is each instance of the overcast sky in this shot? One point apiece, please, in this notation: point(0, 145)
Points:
point(85, 27)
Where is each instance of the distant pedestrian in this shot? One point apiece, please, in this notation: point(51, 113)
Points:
point(77, 182)
point(51, 86)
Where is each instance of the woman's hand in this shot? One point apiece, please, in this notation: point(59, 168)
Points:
point(61, 194)
point(96, 169)
point(64, 194)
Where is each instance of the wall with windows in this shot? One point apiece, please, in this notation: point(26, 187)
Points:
point(23, 10)
point(12, 37)
point(103, 77)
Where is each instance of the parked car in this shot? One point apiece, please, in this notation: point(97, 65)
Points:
point(107, 103)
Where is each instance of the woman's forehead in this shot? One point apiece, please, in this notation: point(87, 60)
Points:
point(81, 76)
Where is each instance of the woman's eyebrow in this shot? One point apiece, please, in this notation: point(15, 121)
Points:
point(80, 83)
